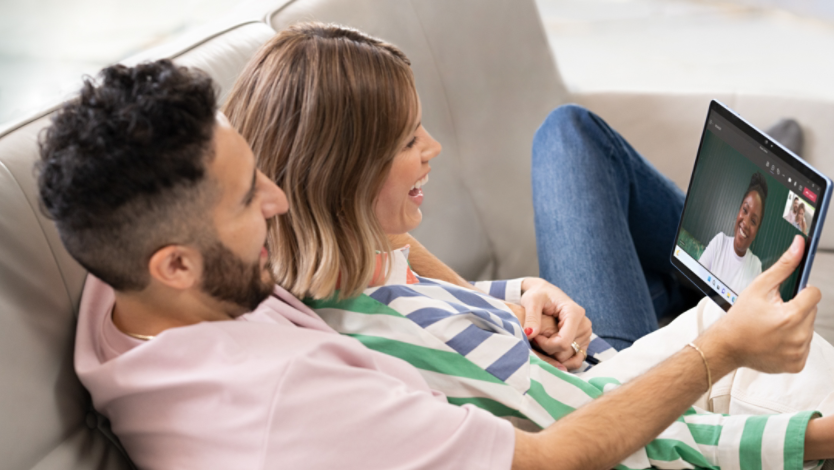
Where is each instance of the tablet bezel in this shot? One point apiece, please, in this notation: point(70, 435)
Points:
point(787, 157)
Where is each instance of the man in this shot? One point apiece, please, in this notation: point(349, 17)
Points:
point(159, 198)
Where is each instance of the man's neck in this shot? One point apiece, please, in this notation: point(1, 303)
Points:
point(150, 313)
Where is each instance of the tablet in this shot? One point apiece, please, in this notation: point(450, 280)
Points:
point(747, 199)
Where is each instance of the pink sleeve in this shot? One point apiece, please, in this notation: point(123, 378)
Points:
point(330, 412)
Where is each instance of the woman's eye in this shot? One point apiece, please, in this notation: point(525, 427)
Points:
point(411, 142)
point(250, 199)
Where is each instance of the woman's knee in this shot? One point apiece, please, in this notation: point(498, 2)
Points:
point(572, 114)
point(569, 132)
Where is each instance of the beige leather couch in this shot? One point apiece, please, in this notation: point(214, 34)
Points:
point(486, 78)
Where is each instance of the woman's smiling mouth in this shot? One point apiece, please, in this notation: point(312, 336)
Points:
point(742, 232)
point(416, 192)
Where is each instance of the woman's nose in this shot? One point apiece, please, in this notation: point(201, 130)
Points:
point(274, 201)
point(432, 150)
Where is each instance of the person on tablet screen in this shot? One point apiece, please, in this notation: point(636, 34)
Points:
point(799, 218)
point(729, 257)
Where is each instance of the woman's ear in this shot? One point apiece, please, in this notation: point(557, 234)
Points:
point(176, 266)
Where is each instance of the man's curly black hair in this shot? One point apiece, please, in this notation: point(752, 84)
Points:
point(123, 167)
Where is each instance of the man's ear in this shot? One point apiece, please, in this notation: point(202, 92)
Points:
point(176, 266)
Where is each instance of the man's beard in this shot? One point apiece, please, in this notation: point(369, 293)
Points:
point(228, 278)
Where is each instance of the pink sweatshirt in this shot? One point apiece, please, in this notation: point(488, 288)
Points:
point(276, 389)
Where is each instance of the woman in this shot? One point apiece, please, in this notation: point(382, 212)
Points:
point(730, 258)
point(353, 167)
point(333, 117)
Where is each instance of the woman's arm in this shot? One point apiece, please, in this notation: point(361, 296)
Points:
point(427, 265)
point(542, 306)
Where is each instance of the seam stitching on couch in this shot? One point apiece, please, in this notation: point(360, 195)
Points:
point(45, 238)
point(215, 35)
point(269, 15)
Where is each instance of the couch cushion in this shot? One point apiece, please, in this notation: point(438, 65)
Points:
point(45, 410)
point(486, 80)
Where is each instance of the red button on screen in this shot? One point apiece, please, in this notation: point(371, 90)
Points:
point(811, 196)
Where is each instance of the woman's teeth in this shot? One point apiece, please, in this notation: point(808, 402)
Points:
point(743, 233)
point(420, 183)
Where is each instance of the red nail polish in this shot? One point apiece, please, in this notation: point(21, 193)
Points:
point(528, 331)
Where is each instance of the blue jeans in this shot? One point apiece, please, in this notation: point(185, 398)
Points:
point(606, 221)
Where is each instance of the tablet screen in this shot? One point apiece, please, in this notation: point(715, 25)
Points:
point(747, 200)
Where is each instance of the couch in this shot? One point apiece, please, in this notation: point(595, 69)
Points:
point(486, 78)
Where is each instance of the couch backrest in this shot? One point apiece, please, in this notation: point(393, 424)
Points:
point(486, 80)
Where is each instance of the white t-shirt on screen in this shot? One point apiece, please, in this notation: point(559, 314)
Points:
point(737, 272)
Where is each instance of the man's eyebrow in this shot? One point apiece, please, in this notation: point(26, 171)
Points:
point(251, 193)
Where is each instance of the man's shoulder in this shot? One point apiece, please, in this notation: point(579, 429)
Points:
point(235, 342)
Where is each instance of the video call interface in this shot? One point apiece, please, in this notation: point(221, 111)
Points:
point(744, 207)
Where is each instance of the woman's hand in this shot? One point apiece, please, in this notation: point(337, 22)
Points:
point(553, 321)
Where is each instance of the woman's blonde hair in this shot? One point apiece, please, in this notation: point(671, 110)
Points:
point(325, 109)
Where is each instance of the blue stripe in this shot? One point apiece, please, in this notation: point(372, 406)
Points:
point(473, 299)
point(498, 289)
point(485, 316)
point(426, 317)
point(468, 339)
point(470, 299)
point(387, 294)
point(508, 325)
point(510, 362)
point(493, 319)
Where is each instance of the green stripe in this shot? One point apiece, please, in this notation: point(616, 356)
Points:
point(671, 449)
point(589, 389)
point(601, 382)
point(795, 439)
point(494, 407)
point(556, 409)
point(705, 434)
point(750, 448)
point(362, 304)
point(689, 411)
point(443, 362)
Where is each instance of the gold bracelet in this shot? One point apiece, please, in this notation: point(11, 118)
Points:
point(706, 364)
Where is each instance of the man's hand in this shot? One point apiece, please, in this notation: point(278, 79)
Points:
point(763, 332)
point(760, 331)
point(541, 300)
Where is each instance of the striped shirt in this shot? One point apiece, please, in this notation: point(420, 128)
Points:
point(469, 346)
